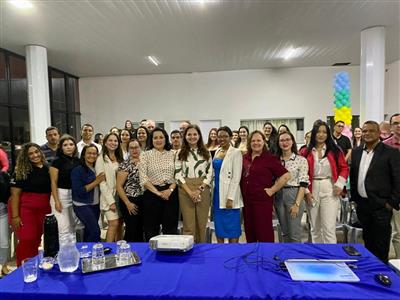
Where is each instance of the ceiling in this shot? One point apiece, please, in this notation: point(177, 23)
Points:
point(105, 38)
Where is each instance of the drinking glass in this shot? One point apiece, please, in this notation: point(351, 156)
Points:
point(124, 255)
point(30, 269)
point(119, 244)
point(98, 258)
point(84, 251)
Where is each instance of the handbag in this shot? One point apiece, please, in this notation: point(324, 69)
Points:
point(4, 187)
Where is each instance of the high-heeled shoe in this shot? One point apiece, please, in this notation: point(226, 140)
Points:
point(5, 272)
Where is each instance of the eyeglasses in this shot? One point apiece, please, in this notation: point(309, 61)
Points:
point(396, 123)
point(340, 126)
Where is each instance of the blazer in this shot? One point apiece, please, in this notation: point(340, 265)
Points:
point(341, 169)
point(382, 181)
point(229, 178)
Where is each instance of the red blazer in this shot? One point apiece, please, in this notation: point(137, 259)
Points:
point(341, 169)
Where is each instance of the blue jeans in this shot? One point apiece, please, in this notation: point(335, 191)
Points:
point(89, 216)
point(4, 236)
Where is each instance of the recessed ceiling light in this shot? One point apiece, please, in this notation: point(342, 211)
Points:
point(21, 3)
point(153, 60)
point(291, 52)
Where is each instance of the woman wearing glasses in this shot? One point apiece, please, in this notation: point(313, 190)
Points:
point(289, 202)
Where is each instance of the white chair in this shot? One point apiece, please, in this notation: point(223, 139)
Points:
point(278, 229)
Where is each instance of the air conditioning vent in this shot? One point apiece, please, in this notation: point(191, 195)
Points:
point(341, 64)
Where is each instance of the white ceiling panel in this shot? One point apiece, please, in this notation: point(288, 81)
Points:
point(104, 38)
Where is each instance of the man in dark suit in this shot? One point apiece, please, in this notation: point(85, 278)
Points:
point(375, 187)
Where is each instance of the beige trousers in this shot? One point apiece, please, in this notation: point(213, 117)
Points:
point(195, 215)
point(396, 232)
point(324, 212)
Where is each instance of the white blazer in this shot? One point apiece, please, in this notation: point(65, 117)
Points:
point(229, 178)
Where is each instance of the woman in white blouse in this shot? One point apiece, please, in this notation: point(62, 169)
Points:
point(328, 172)
point(193, 172)
point(289, 202)
point(125, 137)
point(157, 176)
point(108, 162)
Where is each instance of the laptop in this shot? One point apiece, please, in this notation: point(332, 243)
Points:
point(321, 270)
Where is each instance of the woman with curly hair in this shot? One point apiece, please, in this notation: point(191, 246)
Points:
point(30, 200)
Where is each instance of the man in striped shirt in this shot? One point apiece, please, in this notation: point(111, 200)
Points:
point(49, 149)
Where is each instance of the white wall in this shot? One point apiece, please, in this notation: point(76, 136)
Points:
point(227, 96)
point(392, 88)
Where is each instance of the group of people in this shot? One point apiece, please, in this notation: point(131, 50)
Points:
point(139, 178)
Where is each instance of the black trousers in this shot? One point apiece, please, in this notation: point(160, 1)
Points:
point(377, 231)
point(133, 223)
point(157, 211)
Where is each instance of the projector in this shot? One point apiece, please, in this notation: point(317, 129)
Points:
point(171, 242)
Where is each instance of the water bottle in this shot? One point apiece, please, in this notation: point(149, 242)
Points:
point(68, 256)
point(50, 231)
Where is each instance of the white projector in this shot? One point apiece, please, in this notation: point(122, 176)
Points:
point(171, 242)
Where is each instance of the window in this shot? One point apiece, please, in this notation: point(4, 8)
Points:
point(293, 124)
point(296, 126)
point(355, 122)
point(14, 114)
point(3, 79)
point(19, 83)
point(64, 102)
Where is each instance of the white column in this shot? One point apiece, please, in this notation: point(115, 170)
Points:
point(38, 92)
point(372, 74)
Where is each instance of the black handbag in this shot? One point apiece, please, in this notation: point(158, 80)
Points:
point(4, 187)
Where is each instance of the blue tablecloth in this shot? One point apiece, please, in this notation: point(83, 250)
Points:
point(208, 271)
